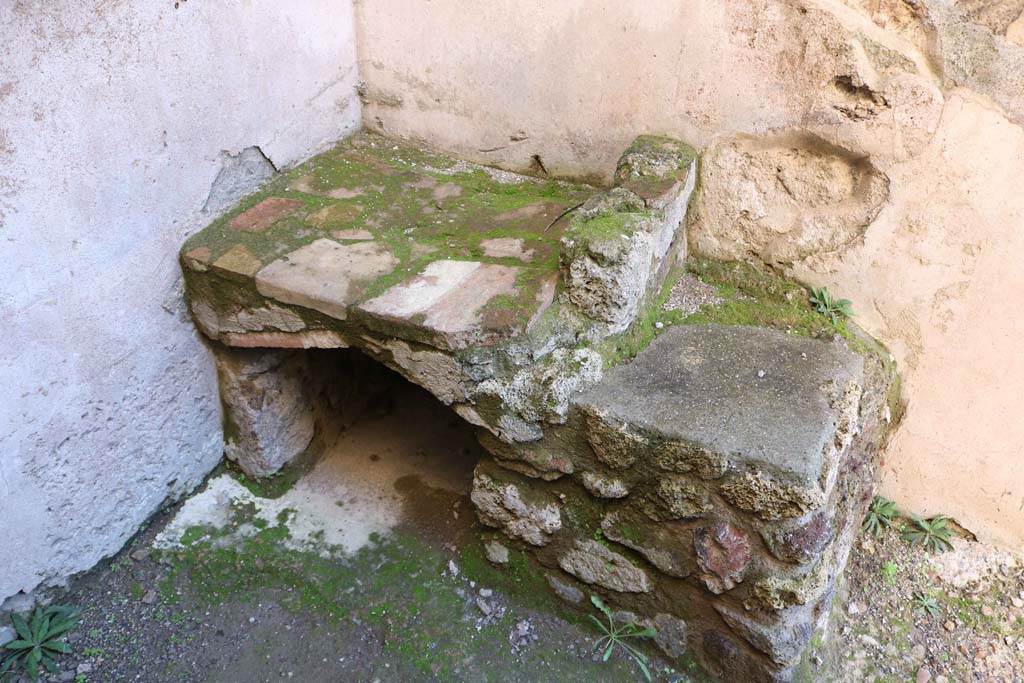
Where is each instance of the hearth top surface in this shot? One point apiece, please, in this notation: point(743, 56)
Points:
point(398, 235)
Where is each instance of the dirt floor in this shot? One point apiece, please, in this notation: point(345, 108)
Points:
point(885, 634)
point(370, 568)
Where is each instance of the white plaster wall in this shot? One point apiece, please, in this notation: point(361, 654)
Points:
point(114, 116)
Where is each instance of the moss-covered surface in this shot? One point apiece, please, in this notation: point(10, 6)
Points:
point(417, 207)
point(424, 206)
point(654, 156)
point(274, 485)
point(750, 297)
point(761, 299)
point(398, 591)
point(606, 227)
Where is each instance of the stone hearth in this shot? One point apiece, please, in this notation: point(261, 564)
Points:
point(707, 483)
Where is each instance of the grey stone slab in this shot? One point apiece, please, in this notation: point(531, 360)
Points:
point(757, 396)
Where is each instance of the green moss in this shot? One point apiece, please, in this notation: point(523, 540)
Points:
point(397, 585)
point(400, 202)
point(277, 484)
point(194, 534)
point(630, 533)
point(610, 226)
point(660, 146)
point(760, 299)
point(763, 299)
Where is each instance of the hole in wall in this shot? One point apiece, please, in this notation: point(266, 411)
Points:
point(386, 456)
point(402, 458)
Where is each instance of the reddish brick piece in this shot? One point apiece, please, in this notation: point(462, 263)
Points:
point(264, 214)
point(723, 552)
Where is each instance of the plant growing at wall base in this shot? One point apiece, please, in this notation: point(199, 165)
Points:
point(926, 604)
point(40, 640)
point(880, 515)
point(933, 533)
point(615, 636)
point(827, 305)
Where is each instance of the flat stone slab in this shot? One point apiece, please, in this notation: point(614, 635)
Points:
point(455, 303)
point(405, 240)
point(760, 400)
point(325, 275)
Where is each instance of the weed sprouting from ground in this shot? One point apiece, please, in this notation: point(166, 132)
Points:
point(932, 533)
point(616, 635)
point(880, 516)
point(926, 604)
point(827, 305)
point(889, 571)
point(40, 641)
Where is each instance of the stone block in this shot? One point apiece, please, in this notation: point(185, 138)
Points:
point(783, 640)
point(268, 415)
point(534, 459)
point(723, 554)
point(604, 487)
point(676, 497)
point(516, 509)
point(263, 215)
point(615, 442)
point(802, 542)
point(450, 302)
point(606, 265)
point(594, 563)
point(566, 591)
point(777, 409)
point(667, 546)
point(656, 480)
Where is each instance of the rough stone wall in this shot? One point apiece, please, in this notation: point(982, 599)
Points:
point(116, 118)
point(875, 146)
point(728, 540)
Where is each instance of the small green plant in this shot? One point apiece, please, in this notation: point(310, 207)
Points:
point(40, 640)
point(825, 304)
point(889, 571)
point(880, 515)
point(926, 604)
point(615, 635)
point(933, 533)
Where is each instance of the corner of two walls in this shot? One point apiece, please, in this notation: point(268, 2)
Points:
point(114, 126)
point(874, 147)
point(122, 130)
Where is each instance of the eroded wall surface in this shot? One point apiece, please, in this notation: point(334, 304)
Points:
point(115, 120)
point(875, 146)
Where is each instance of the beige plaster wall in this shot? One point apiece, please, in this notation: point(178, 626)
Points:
point(930, 94)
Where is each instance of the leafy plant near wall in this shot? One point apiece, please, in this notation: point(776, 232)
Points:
point(40, 640)
point(880, 515)
point(615, 636)
point(933, 533)
point(926, 604)
point(825, 304)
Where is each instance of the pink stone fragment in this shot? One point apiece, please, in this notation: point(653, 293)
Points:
point(264, 214)
point(723, 553)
